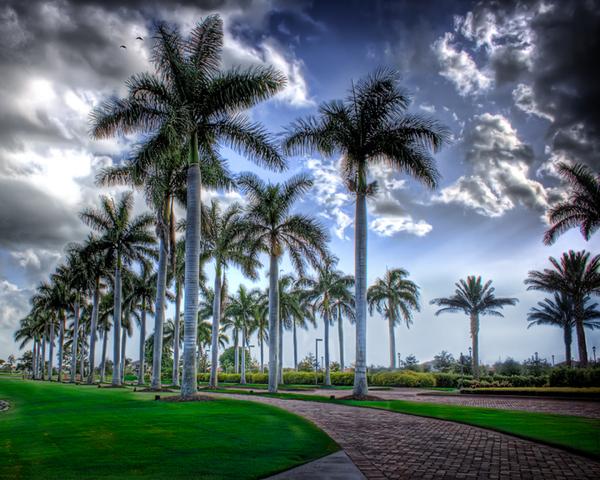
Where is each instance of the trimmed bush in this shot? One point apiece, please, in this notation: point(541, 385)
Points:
point(405, 378)
point(222, 377)
point(301, 378)
point(342, 378)
point(258, 378)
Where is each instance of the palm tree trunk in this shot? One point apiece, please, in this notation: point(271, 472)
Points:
point(341, 338)
point(142, 365)
point(93, 330)
point(273, 321)
point(123, 345)
point(82, 363)
point(280, 352)
point(34, 358)
point(51, 353)
point(103, 360)
point(360, 273)
point(214, 335)
point(176, 334)
point(243, 375)
point(75, 341)
point(116, 379)
point(327, 380)
point(262, 356)
point(192, 270)
point(159, 311)
point(295, 345)
point(581, 346)
point(392, 343)
point(43, 369)
point(236, 352)
point(568, 339)
point(61, 341)
point(475, 340)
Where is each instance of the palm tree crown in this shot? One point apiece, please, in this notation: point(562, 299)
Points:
point(581, 209)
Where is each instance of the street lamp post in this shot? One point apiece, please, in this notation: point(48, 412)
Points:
point(317, 340)
point(552, 360)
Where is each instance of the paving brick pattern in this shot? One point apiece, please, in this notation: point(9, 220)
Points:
point(581, 408)
point(388, 445)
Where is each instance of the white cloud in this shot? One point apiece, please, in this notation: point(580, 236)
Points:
point(525, 101)
point(459, 68)
point(389, 226)
point(499, 175)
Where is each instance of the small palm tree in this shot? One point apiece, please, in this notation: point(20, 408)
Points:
point(260, 323)
point(344, 307)
point(191, 103)
point(271, 228)
point(559, 312)
point(369, 127)
point(322, 290)
point(290, 314)
point(581, 209)
point(240, 310)
point(576, 276)
point(395, 297)
point(125, 240)
point(474, 298)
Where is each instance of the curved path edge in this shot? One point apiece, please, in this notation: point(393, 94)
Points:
point(392, 445)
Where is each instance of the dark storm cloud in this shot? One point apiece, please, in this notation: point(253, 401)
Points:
point(31, 217)
point(549, 48)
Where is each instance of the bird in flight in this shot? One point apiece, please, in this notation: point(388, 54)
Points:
point(139, 38)
point(123, 46)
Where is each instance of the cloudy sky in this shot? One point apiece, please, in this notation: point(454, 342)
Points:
point(515, 82)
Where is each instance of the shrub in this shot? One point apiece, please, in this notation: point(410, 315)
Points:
point(301, 378)
point(341, 378)
point(258, 378)
point(450, 380)
point(405, 378)
point(574, 377)
point(222, 377)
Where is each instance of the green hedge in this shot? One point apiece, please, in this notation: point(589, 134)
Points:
point(403, 379)
point(575, 377)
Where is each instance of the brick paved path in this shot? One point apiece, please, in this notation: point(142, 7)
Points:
point(388, 445)
point(580, 408)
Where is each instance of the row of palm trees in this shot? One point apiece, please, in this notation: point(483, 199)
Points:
point(182, 113)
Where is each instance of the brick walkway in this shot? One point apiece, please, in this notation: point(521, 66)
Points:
point(580, 408)
point(388, 445)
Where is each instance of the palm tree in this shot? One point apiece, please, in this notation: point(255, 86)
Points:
point(271, 228)
point(105, 310)
point(321, 291)
point(124, 239)
point(369, 127)
point(343, 306)
point(260, 323)
point(395, 297)
point(560, 312)
point(474, 298)
point(578, 277)
point(42, 309)
point(581, 209)
point(290, 313)
point(240, 309)
point(142, 291)
point(222, 240)
point(190, 102)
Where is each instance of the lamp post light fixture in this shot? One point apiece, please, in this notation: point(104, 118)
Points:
point(317, 340)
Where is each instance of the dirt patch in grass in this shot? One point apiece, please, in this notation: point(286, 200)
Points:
point(149, 389)
point(368, 398)
point(191, 398)
point(4, 406)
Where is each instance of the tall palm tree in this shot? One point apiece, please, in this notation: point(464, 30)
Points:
point(124, 239)
point(559, 312)
point(578, 277)
point(369, 127)
point(474, 298)
point(222, 240)
point(271, 228)
point(42, 310)
point(328, 284)
point(581, 209)
point(290, 313)
point(395, 297)
point(191, 102)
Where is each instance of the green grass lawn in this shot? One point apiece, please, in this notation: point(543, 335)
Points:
point(577, 434)
point(68, 431)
